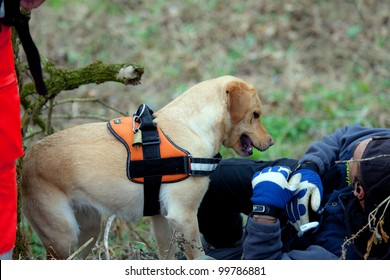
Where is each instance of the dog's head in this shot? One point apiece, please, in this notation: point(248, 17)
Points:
point(244, 112)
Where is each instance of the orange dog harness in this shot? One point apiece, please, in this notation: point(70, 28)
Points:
point(152, 158)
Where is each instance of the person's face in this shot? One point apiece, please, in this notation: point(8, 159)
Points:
point(357, 155)
point(354, 170)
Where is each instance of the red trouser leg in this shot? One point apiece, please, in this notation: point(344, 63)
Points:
point(10, 141)
point(8, 209)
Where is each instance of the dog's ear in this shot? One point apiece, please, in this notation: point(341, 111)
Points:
point(238, 101)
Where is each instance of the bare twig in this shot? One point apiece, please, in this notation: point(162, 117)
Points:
point(105, 236)
point(93, 100)
point(171, 245)
point(377, 234)
point(68, 117)
point(361, 160)
point(79, 250)
point(140, 237)
point(49, 129)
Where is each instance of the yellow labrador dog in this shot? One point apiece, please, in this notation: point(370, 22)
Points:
point(73, 178)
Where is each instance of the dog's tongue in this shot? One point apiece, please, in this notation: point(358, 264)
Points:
point(246, 144)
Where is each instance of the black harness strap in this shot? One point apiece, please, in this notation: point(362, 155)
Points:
point(151, 151)
point(13, 17)
point(160, 166)
point(153, 166)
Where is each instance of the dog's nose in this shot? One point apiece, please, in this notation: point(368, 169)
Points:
point(271, 140)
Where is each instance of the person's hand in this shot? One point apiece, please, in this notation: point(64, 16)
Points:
point(297, 208)
point(311, 181)
point(31, 4)
point(270, 187)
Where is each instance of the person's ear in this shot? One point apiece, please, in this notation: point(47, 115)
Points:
point(359, 192)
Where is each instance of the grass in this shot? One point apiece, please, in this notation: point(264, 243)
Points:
point(318, 65)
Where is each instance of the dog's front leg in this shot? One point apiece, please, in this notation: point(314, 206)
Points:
point(181, 202)
point(163, 233)
point(187, 225)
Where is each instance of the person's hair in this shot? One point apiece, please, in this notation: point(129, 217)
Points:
point(374, 177)
point(374, 169)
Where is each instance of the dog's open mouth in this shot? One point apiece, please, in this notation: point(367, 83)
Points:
point(246, 144)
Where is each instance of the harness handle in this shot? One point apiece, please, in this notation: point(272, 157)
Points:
point(144, 116)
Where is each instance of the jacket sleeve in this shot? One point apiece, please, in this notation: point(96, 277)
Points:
point(263, 242)
point(339, 145)
point(323, 153)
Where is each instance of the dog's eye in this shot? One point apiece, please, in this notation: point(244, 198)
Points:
point(256, 115)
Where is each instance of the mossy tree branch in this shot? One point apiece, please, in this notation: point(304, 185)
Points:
point(97, 73)
point(62, 80)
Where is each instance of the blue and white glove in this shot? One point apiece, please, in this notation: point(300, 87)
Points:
point(309, 190)
point(270, 187)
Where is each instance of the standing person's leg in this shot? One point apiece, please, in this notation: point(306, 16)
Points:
point(229, 194)
point(10, 145)
point(8, 212)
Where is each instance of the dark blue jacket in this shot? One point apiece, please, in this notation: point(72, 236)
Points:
point(340, 217)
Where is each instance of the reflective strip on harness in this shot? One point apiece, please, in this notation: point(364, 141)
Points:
point(204, 166)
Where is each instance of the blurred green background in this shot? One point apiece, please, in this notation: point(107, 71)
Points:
point(317, 65)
